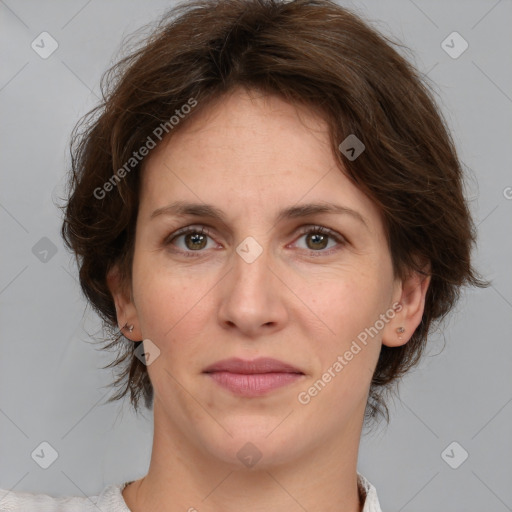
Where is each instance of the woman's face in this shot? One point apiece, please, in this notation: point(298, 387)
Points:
point(258, 283)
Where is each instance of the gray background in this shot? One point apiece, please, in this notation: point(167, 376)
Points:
point(51, 384)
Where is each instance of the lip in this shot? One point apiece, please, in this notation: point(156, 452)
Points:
point(259, 365)
point(253, 378)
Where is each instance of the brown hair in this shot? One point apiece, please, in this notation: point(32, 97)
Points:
point(309, 52)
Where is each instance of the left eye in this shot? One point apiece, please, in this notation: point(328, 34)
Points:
point(195, 239)
point(318, 238)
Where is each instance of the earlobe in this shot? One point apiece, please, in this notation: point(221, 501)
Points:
point(126, 312)
point(411, 297)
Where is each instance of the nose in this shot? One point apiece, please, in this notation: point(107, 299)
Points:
point(253, 297)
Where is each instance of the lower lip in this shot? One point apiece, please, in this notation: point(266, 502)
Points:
point(255, 384)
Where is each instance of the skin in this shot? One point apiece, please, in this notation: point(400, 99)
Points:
point(301, 301)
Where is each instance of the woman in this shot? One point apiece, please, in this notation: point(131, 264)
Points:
point(269, 207)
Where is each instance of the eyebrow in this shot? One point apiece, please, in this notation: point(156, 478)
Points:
point(183, 208)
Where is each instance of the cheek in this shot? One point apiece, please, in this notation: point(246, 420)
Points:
point(350, 312)
point(160, 294)
point(347, 356)
point(349, 302)
point(171, 307)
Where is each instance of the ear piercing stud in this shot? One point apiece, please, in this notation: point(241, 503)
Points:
point(400, 330)
point(129, 327)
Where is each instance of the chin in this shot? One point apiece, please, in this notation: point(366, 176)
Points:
point(256, 445)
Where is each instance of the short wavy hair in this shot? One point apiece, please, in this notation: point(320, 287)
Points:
point(309, 52)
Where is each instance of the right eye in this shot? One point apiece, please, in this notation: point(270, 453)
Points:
point(194, 239)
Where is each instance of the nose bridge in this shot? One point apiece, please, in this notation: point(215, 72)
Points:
point(251, 267)
point(252, 298)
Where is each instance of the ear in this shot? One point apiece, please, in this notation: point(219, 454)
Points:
point(125, 307)
point(409, 296)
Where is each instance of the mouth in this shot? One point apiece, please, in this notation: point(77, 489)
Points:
point(253, 378)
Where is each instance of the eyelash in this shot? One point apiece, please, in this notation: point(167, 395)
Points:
point(306, 230)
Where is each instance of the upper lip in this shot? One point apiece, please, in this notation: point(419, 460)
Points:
point(259, 365)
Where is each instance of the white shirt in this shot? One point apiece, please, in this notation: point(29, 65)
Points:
point(111, 500)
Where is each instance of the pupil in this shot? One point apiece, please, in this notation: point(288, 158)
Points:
point(322, 238)
point(196, 237)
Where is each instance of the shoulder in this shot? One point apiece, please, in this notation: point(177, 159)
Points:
point(109, 500)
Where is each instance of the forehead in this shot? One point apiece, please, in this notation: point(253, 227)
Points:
point(260, 152)
point(250, 133)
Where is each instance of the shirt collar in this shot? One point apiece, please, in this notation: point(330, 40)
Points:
point(371, 502)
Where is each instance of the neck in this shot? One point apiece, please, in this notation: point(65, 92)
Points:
point(183, 477)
